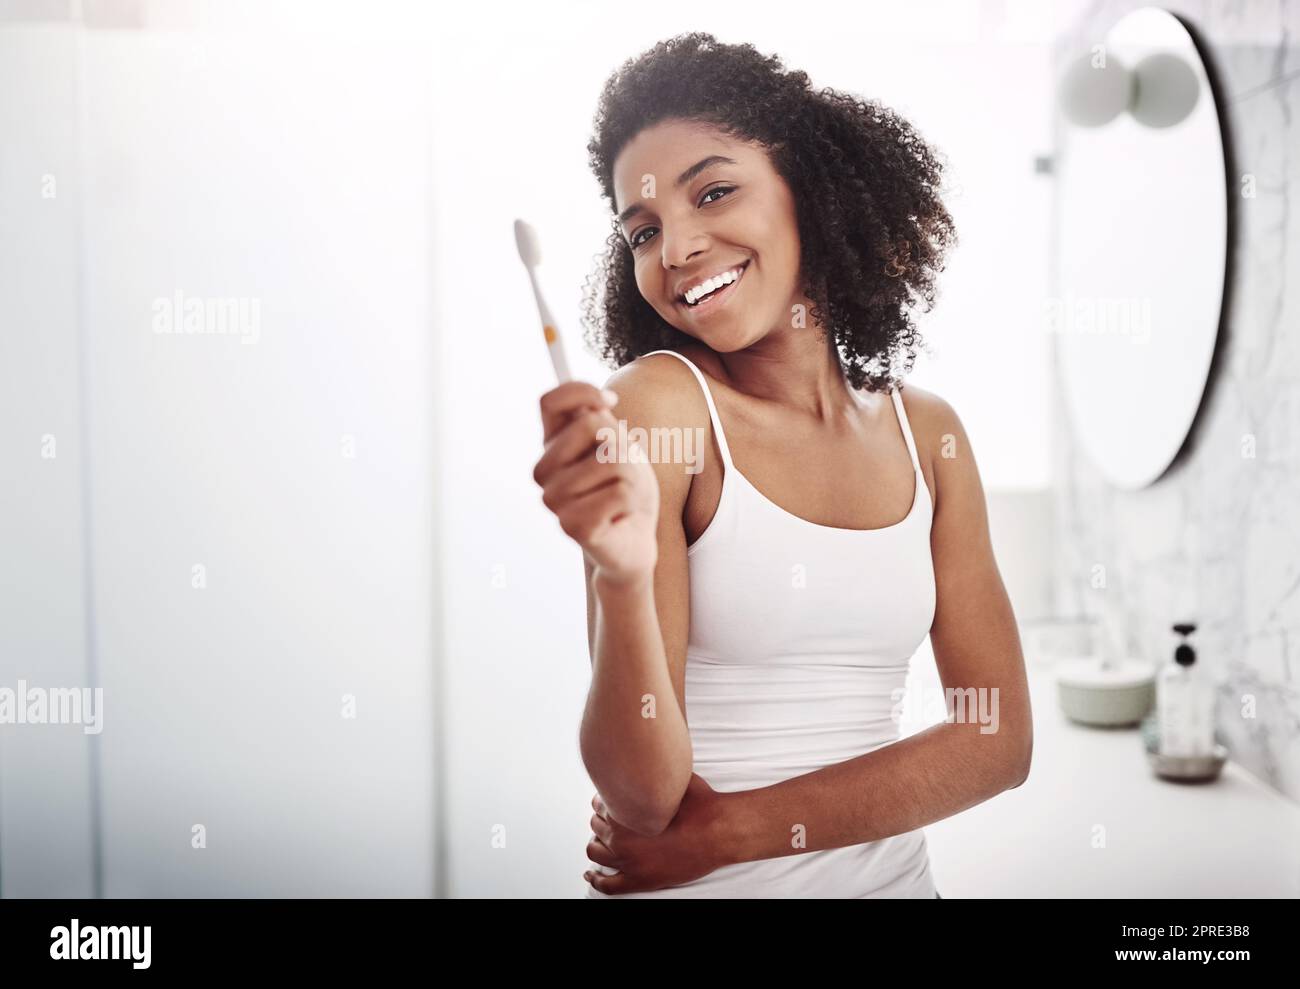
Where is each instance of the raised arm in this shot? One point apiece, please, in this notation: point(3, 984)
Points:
point(634, 738)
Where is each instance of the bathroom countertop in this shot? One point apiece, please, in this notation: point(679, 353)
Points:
point(1093, 820)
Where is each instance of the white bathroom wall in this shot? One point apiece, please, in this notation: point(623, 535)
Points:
point(46, 810)
point(262, 562)
point(516, 103)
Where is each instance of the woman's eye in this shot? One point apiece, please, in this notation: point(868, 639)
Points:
point(637, 241)
point(721, 188)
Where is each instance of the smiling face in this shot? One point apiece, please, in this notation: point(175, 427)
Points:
point(713, 233)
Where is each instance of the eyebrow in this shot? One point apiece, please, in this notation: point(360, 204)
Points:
point(682, 179)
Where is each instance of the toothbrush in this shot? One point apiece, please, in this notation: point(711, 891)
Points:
point(530, 253)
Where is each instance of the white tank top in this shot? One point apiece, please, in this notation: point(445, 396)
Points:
point(799, 645)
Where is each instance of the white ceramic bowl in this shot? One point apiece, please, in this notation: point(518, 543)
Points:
point(1109, 696)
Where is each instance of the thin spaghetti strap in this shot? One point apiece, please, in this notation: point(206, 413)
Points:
point(906, 426)
point(708, 397)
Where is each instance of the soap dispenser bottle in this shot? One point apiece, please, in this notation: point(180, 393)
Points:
point(1185, 702)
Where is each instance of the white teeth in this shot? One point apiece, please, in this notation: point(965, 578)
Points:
point(714, 283)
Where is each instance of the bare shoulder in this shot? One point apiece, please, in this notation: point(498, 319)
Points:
point(658, 390)
point(659, 394)
point(929, 415)
point(941, 441)
point(943, 447)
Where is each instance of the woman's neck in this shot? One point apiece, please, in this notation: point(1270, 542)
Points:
point(796, 369)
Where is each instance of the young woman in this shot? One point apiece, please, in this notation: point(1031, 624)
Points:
point(752, 612)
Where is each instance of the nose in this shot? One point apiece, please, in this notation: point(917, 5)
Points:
point(682, 242)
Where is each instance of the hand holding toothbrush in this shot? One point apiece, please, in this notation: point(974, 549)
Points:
point(605, 494)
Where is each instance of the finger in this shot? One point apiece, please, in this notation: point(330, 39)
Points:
point(581, 478)
point(602, 829)
point(558, 404)
point(598, 852)
point(586, 518)
point(613, 885)
point(586, 431)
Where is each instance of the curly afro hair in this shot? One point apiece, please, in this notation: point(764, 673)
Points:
point(872, 228)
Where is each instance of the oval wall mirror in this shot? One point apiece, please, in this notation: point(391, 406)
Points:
point(1142, 248)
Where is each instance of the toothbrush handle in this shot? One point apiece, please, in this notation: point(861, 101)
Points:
point(556, 348)
point(553, 342)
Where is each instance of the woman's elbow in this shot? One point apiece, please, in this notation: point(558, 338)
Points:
point(647, 817)
point(649, 825)
point(639, 806)
point(1022, 763)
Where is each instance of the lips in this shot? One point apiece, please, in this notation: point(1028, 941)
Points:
point(719, 297)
